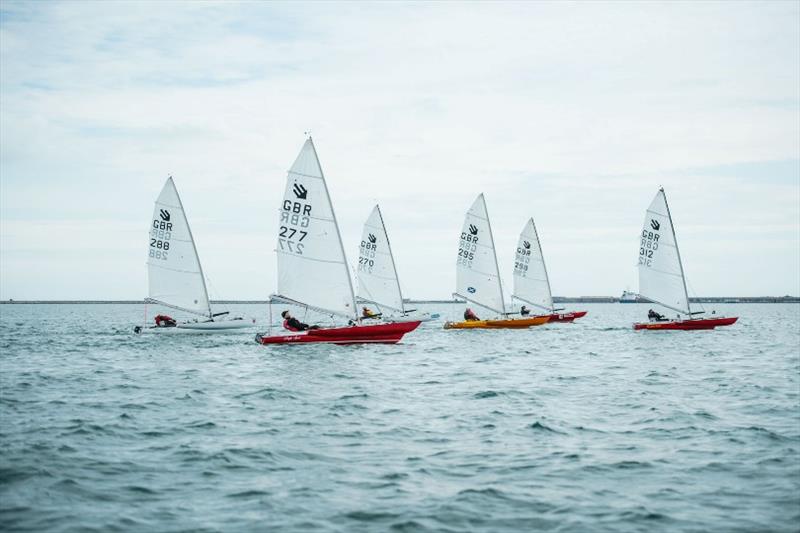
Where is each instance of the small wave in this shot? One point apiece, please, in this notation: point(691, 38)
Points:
point(248, 494)
point(368, 516)
point(354, 396)
point(485, 394)
point(140, 490)
point(538, 426)
point(629, 465)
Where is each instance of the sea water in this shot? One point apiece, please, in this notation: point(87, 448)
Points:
point(590, 426)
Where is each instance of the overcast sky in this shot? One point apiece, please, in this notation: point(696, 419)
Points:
point(572, 113)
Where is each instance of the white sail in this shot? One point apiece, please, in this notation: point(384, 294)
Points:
point(661, 277)
point(477, 273)
point(173, 269)
point(377, 274)
point(531, 283)
point(312, 268)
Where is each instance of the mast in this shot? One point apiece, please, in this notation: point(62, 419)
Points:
point(338, 233)
point(391, 256)
point(194, 247)
point(677, 250)
point(494, 252)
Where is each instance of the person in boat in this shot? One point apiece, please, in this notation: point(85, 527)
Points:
point(655, 317)
point(164, 321)
point(292, 324)
point(470, 315)
point(366, 312)
point(524, 311)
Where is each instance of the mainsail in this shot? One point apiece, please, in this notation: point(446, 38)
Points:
point(173, 269)
point(477, 273)
point(312, 268)
point(377, 274)
point(531, 284)
point(661, 277)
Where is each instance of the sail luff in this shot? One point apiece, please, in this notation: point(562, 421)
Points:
point(544, 266)
point(678, 251)
point(175, 274)
point(477, 270)
point(531, 281)
point(661, 276)
point(336, 225)
point(391, 258)
point(194, 246)
point(494, 252)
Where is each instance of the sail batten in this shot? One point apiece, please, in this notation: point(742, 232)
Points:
point(175, 275)
point(377, 272)
point(312, 265)
point(531, 282)
point(661, 276)
point(477, 271)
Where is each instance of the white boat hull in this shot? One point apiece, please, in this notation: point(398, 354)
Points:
point(216, 326)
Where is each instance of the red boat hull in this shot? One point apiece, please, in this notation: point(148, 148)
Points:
point(566, 317)
point(389, 333)
point(695, 323)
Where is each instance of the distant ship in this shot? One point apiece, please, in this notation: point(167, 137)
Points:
point(628, 297)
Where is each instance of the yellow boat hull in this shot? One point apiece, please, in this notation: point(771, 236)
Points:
point(506, 323)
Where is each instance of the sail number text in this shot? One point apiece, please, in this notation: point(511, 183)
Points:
point(521, 260)
point(467, 246)
point(648, 245)
point(294, 217)
point(366, 256)
point(160, 234)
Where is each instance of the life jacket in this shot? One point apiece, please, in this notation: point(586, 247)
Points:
point(287, 326)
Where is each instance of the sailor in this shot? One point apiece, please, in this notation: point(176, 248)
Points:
point(654, 317)
point(524, 311)
point(164, 321)
point(292, 324)
point(366, 312)
point(470, 315)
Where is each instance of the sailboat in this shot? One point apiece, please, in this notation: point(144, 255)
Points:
point(312, 267)
point(174, 273)
point(478, 275)
point(378, 282)
point(661, 276)
point(531, 284)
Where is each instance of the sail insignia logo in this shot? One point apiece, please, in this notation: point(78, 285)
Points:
point(300, 191)
point(526, 244)
point(654, 224)
point(471, 290)
point(164, 214)
point(473, 230)
point(372, 238)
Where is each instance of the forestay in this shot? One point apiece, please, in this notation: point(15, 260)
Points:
point(377, 274)
point(531, 283)
point(174, 273)
point(661, 277)
point(312, 268)
point(477, 273)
